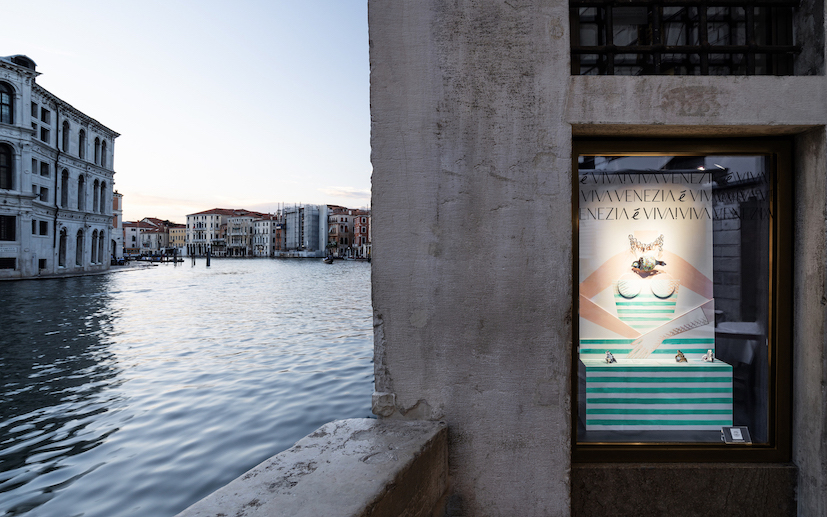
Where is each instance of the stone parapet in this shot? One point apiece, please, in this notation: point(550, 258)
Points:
point(356, 467)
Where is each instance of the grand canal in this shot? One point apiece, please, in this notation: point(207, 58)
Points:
point(140, 392)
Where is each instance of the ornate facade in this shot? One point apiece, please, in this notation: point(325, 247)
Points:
point(56, 180)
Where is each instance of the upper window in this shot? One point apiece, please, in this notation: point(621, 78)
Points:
point(81, 144)
point(45, 115)
point(97, 150)
point(685, 37)
point(64, 189)
point(103, 154)
point(81, 193)
point(95, 194)
point(8, 226)
point(6, 168)
point(6, 104)
point(683, 335)
point(103, 197)
point(65, 136)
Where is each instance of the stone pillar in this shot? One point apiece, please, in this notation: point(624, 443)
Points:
point(472, 241)
point(810, 302)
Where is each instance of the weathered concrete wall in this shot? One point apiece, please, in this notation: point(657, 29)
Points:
point(770, 102)
point(473, 112)
point(810, 301)
point(809, 27)
point(687, 490)
point(471, 204)
point(347, 468)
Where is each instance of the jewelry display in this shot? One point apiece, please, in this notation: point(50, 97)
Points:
point(635, 244)
point(646, 291)
point(647, 264)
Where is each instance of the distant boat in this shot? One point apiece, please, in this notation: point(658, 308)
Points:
point(328, 260)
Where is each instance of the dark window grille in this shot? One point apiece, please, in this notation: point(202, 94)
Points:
point(6, 170)
point(8, 263)
point(8, 224)
point(682, 37)
point(6, 104)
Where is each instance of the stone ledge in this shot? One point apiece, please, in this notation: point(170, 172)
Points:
point(357, 467)
point(689, 489)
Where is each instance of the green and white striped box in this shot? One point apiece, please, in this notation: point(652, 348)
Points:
point(657, 394)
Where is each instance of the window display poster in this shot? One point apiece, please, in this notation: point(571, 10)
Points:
point(645, 263)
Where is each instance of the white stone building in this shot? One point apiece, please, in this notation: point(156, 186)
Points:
point(204, 232)
point(266, 235)
point(210, 230)
point(154, 240)
point(132, 231)
point(56, 180)
point(240, 233)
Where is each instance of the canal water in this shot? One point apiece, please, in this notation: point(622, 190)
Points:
point(139, 392)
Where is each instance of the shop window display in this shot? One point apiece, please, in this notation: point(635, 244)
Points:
point(677, 339)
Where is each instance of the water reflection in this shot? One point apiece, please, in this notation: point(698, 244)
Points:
point(54, 365)
point(137, 393)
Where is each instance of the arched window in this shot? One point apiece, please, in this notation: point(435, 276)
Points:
point(79, 249)
point(101, 243)
point(103, 197)
point(65, 136)
point(95, 193)
point(103, 153)
point(81, 193)
point(82, 144)
point(64, 189)
point(6, 168)
point(6, 104)
point(97, 150)
point(94, 247)
point(61, 254)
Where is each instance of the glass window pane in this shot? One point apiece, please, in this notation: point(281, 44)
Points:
point(674, 265)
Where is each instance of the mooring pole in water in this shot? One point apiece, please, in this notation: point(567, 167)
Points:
point(208, 257)
point(174, 256)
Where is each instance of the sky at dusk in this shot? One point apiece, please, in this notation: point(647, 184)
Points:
point(230, 104)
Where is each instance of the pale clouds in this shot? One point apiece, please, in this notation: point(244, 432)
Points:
point(346, 192)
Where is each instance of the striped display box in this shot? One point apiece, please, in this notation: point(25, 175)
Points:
point(652, 394)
